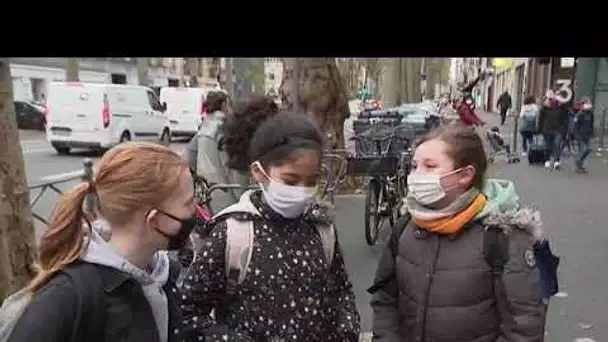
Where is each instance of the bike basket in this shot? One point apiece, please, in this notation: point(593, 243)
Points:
point(376, 140)
point(403, 138)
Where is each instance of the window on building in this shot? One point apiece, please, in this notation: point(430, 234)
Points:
point(119, 79)
point(271, 76)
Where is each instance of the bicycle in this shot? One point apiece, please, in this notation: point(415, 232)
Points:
point(387, 164)
point(333, 170)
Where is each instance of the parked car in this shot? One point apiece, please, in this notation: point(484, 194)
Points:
point(29, 116)
point(370, 105)
point(99, 116)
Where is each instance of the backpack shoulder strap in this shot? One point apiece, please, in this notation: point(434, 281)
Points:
point(327, 232)
point(393, 245)
point(91, 314)
point(244, 205)
point(495, 248)
point(397, 231)
point(239, 248)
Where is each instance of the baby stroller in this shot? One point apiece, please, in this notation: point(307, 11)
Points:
point(499, 147)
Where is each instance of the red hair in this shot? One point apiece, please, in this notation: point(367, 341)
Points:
point(128, 178)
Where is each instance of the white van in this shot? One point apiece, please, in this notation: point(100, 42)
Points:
point(99, 116)
point(185, 108)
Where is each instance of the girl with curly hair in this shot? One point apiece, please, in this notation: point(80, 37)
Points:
point(219, 151)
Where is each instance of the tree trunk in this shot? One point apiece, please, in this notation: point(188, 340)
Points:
point(142, 70)
point(322, 96)
point(289, 85)
point(405, 87)
point(72, 70)
point(17, 238)
point(228, 76)
point(390, 83)
point(372, 66)
point(413, 77)
point(193, 71)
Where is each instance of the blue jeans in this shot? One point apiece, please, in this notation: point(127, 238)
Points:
point(554, 145)
point(526, 140)
point(583, 151)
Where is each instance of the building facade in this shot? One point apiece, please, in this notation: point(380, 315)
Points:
point(591, 79)
point(31, 76)
point(273, 69)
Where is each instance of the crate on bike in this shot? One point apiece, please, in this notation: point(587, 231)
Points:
point(372, 165)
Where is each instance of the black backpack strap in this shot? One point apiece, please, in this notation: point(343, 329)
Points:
point(397, 231)
point(495, 249)
point(496, 253)
point(393, 245)
point(90, 324)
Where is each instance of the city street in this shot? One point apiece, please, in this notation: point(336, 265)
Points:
point(573, 208)
point(43, 164)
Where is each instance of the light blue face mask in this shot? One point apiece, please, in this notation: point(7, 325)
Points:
point(288, 200)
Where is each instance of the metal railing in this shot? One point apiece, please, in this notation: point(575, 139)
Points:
point(51, 184)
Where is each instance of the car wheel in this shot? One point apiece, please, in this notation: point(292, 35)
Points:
point(62, 150)
point(125, 137)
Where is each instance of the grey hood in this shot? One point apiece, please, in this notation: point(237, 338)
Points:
point(102, 253)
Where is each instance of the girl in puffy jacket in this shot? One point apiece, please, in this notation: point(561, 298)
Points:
point(463, 267)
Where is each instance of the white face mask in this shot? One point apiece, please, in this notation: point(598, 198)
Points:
point(288, 200)
point(425, 187)
point(587, 106)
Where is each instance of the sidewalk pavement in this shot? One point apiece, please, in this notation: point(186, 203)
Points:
point(493, 119)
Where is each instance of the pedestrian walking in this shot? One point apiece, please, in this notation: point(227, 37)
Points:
point(464, 108)
point(553, 124)
point(583, 131)
point(447, 274)
point(528, 119)
point(218, 153)
point(123, 288)
point(272, 268)
point(504, 104)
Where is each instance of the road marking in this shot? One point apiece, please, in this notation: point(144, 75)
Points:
point(60, 176)
point(36, 150)
point(31, 140)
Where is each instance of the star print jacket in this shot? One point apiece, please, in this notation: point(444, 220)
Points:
point(289, 293)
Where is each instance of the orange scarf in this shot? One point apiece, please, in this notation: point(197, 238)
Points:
point(453, 223)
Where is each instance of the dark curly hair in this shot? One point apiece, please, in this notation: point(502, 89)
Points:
point(280, 137)
point(238, 129)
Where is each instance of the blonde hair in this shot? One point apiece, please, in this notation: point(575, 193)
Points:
point(129, 177)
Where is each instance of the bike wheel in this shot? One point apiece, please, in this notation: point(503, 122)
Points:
point(371, 212)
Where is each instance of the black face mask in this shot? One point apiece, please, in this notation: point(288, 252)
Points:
point(179, 240)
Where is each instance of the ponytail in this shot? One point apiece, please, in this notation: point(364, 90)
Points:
point(63, 241)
